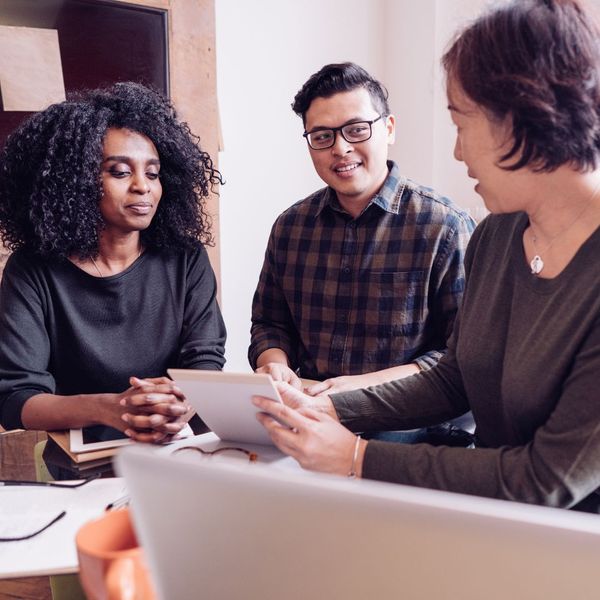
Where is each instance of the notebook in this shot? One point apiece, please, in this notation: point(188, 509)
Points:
point(226, 530)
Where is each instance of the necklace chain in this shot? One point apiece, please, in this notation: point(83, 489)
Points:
point(537, 263)
point(98, 268)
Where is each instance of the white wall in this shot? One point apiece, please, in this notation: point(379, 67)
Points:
point(409, 42)
point(266, 49)
point(449, 175)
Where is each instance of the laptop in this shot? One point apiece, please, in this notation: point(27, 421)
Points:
point(229, 530)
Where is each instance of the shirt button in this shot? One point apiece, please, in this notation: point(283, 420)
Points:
point(346, 270)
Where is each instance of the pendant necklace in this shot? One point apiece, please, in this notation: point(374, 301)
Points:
point(537, 264)
point(98, 268)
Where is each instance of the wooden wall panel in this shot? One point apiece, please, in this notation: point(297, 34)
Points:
point(194, 83)
point(100, 42)
point(192, 76)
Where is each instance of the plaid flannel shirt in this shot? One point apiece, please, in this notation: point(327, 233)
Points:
point(344, 296)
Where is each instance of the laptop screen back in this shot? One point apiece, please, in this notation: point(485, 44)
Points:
point(225, 531)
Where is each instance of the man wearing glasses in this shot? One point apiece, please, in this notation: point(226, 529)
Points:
point(362, 279)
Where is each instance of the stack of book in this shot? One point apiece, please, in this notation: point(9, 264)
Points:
point(81, 453)
point(58, 455)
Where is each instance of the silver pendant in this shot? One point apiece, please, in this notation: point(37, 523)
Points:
point(536, 264)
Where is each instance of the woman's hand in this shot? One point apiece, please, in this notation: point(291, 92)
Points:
point(155, 409)
point(316, 440)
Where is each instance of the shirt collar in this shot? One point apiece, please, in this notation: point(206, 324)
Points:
point(388, 198)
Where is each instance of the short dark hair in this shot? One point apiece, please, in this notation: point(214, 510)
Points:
point(50, 184)
point(538, 63)
point(335, 78)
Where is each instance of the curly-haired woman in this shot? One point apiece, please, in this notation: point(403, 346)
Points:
point(101, 199)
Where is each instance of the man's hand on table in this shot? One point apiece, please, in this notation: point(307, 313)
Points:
point(281, 372)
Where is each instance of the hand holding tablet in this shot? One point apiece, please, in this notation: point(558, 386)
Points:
point(224, 401)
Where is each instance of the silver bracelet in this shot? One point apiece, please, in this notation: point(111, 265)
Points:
point(352, 473)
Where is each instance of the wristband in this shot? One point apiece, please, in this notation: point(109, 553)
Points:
point(352, 473)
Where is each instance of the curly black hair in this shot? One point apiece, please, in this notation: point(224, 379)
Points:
point(50, 181)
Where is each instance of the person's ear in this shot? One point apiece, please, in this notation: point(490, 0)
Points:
point(390, 125)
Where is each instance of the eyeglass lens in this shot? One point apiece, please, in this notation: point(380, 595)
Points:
point(352, 133)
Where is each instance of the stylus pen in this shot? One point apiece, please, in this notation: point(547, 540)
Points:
point(118, 503)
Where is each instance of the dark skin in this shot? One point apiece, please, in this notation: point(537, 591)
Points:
point(152, 409)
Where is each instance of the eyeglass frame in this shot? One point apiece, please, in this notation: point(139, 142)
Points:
point(59, 484)
point(17, 482)
point(28, 536)
point(341, 128)
point(252, 456)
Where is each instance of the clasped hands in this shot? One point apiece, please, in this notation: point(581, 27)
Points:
point(154, 409)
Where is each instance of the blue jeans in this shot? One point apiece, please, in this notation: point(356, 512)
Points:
point(444, 434)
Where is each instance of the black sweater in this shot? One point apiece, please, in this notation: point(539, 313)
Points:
point(64, 331)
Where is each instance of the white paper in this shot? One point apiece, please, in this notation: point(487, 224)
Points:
point(53, 551)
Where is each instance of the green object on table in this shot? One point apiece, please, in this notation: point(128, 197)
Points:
point(66, 587)
point(41, 470)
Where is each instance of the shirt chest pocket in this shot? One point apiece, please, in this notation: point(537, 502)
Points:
point(398, 302)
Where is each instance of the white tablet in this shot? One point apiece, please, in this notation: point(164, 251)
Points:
point(97, 437)
point(101, 437)
point(223, 401)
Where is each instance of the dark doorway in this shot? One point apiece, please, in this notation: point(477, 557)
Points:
point(101, 42)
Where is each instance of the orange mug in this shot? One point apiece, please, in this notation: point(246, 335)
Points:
point(111, 563)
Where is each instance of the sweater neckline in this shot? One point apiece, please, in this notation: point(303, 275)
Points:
point(109, 278)
point(584, 255)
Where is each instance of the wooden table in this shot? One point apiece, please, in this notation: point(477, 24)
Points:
point(16, 462)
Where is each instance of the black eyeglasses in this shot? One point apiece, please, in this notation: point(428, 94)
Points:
point(252, 456)
point(60, 484)
point(28, 536)
point(359, 131)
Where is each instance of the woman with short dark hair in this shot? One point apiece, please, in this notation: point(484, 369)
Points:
point(102, 201)
point(524, 94)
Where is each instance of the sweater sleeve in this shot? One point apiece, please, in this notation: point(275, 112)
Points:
point(24, 342)
point(203, 335)
point(426, 398)
point(558, 467)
